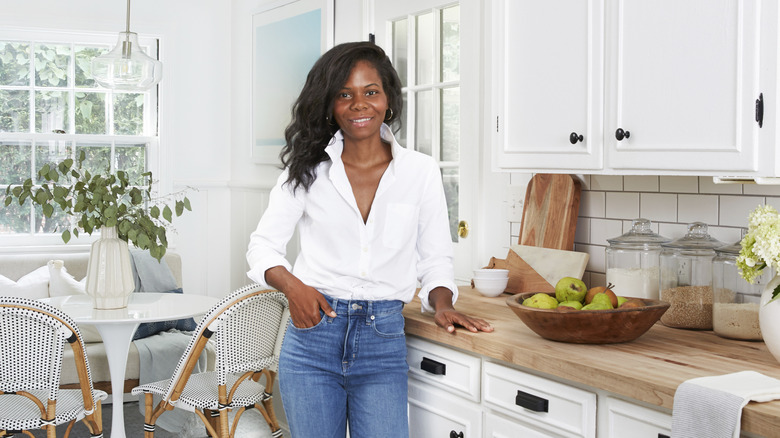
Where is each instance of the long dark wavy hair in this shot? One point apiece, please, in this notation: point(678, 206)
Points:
point(312, 125)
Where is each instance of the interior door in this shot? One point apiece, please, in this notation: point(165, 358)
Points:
point(426, 40)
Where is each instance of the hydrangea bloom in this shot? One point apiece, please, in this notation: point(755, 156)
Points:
point(761, 244)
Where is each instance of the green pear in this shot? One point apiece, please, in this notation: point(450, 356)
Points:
point(597, 306)
point(541, 301)
point(621, 300)
point(602, 299)
point(573, 304)
point(570, 289)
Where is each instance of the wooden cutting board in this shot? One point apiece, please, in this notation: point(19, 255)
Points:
point(534, 269)
point(550, 210)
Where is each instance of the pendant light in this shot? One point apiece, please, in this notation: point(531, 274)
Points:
point(127, 67)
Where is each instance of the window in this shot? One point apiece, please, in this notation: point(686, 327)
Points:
point(426, 54)
point(51, 109)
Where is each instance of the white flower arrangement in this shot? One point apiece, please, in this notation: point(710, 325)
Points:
point(761, 245)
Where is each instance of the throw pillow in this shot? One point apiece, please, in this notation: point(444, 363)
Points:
point(146, 329)
point(61, 283)
point(34, 285)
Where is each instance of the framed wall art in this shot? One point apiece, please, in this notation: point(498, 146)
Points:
point(288, 38)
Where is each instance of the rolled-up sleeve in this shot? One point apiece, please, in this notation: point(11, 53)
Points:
point(268, 243)
point(434, 245)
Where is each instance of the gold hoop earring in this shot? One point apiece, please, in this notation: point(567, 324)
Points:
point(390, 116)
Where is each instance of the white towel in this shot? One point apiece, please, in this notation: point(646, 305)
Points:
point(711, 407)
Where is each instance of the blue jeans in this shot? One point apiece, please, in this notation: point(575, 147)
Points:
point(348, 369)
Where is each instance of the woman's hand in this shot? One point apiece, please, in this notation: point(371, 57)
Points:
point(305, 301)
point(446, 316)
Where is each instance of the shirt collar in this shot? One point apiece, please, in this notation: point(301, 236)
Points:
point(336, 146)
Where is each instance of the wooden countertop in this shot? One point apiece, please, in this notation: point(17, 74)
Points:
point(648, 369)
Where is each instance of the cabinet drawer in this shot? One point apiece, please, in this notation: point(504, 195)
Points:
point(443, 367)
point(627, 419)
point(549, 405)
point(497, 426)
point(436, 414)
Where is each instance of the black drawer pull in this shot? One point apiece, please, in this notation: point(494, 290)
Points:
point(454, 434)
point(663, 435)
point(531, 402)
point(433, 367)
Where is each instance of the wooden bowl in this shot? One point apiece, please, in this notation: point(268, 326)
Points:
point(588, 326)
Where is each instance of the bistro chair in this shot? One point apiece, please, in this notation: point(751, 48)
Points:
point(32, 340)
point(247, 328)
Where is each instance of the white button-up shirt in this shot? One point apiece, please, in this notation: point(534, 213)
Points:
point(405, 240)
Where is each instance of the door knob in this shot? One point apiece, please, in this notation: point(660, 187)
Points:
point(463, 229)
point(574, 137)
point(620, 134)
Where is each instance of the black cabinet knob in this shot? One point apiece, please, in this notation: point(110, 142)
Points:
point(454, 434)
point(574, 138)
point(620, 134)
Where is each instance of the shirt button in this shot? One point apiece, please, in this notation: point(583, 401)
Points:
point(363, 273)
point(365, 249)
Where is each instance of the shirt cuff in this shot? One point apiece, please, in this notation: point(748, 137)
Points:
point(426, 290)
point(257, 274)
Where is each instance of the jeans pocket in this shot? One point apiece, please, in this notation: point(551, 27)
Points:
point(323, 317)
point(389, 325)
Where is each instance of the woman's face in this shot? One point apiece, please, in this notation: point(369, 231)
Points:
point(360, 106)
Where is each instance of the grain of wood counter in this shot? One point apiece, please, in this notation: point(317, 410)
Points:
point(648, 369)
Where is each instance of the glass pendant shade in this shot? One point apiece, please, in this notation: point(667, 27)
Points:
point(127, 67)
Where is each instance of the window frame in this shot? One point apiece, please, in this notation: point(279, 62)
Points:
point(22, 242)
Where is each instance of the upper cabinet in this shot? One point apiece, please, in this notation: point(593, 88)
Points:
point(635, 87)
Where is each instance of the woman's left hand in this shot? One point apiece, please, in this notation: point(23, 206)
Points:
point(447, 318)
point(446, 315)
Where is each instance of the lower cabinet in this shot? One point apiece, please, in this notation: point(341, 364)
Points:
point(457, 394)
point(436, 414)
point(628, 419)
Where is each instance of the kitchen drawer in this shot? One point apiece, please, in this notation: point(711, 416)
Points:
point(628, 419)
point(437, 414)
point(497, 426)
point(558, 408)
point(453, 371)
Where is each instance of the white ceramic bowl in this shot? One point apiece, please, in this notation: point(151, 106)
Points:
point(491, 273)
point(490, 287)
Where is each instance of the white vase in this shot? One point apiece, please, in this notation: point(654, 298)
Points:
point(769, 318)
point(109, 271)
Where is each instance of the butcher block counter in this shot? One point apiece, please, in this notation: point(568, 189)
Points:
point(648, 369)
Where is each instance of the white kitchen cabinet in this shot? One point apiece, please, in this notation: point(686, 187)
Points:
point(436, 414)
point(497, 426)
point(629, 419)
point(680, 80)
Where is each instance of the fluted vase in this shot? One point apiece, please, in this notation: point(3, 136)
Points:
point(109, 271)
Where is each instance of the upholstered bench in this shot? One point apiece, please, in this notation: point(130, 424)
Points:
point(31, 275)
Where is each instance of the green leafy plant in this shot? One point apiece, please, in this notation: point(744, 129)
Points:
point(104, 199)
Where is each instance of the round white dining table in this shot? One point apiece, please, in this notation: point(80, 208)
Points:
point(117, 326)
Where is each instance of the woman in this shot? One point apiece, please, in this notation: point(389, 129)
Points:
point(372, 219)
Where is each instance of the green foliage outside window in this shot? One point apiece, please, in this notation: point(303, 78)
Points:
point(46, 90)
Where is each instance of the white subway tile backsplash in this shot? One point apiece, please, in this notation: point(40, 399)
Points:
point(622, 205)
point(707, 185)
point(603, 229)
point(756, 189)
point(582, 233)
point(734, 210)
point(597, 260)
point(697, 208)
point(727, 235)
point(672, 231)
point(606, 182)
point(774, 202)
point(596, 279)
point(679, 184)
point(515, 228)
point(658, 206)
point(592, 204)
point(643, 183)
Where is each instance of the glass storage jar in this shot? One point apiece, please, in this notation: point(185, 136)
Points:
point(735, 305)
point(633, 261)
point(686, 278)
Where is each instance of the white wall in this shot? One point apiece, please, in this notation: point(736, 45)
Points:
point(195, 130)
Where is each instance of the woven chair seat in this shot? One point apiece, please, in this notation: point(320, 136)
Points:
point(202, 392)
point(247, 328)
point(23, 414)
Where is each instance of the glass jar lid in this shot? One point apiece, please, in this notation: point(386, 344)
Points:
point(697, 238)
point(640, 236)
